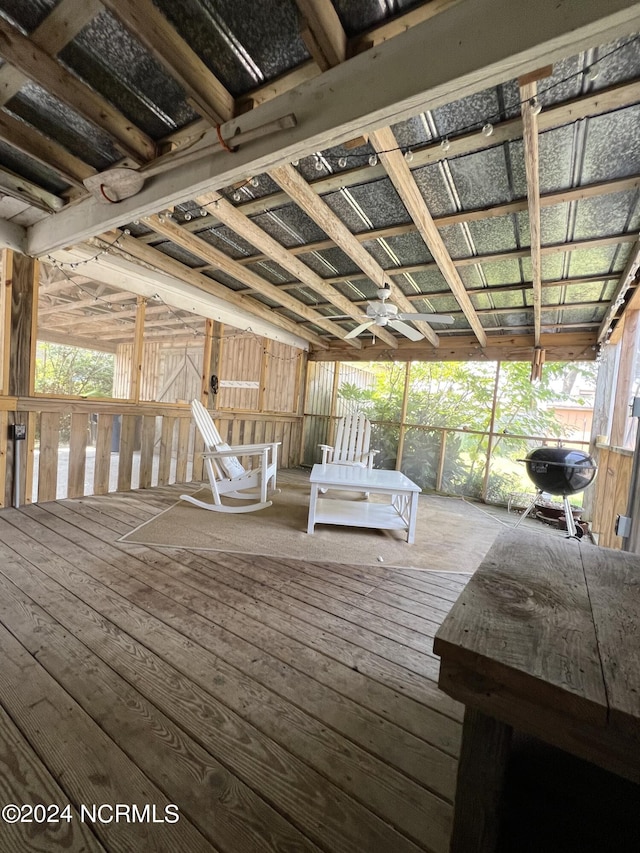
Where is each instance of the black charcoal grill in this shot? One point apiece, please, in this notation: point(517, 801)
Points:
point(559, 471)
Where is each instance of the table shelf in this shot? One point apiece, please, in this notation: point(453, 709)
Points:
point(359, 514)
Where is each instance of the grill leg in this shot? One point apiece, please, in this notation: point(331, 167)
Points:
point(568, 515)
point(528, 509)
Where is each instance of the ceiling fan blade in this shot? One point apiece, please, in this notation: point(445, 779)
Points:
point(428, 318)
point(407, 331)
point(355, 332)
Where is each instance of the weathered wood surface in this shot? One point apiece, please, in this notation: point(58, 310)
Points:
point(525, 621)
point(481, 774)
point(544, 639)
point(613, 579)
point(280, 704)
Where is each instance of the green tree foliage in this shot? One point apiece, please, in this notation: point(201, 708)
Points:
point(73, 372)
point(66, 371)
point(459, 396)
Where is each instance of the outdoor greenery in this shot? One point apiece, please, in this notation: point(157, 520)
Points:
point(67, 371)
point(459, 396)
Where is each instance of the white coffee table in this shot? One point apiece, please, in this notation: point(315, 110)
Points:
point(399, 514)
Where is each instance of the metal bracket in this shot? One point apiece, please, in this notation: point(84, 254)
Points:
point(623, 526)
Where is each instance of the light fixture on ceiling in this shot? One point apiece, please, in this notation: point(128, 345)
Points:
point(373, 160)
point(445, 144)
point(536, 106)
point(408, 155)
point(487, 129)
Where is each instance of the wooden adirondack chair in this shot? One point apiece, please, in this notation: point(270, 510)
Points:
point(351, 445)
point(227, 476)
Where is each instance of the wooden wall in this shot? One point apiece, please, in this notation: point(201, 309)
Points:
point(611, 493)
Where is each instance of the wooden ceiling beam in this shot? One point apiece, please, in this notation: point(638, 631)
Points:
point(343, 103)
point(627, 279)
point(20, 188)
point(144, 20)
point(528, 92)
point(252, 233)
point(568, 346)
point(145, 255)
point(604, 101)
point(398, 25)
point(580, 193)
point(322, 32)
point(54, 336)
point(32, 143)
point(60, 27)
point(197, 246)
point(37, 65)
point(299, 191)
point(495, 289)
point(396, 166)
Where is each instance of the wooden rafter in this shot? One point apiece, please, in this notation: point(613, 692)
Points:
point(572, 346)
point(351, 105)
point(50, 154)
point(37, 65)
point(299, 191)
point(35, 196)
point(253, 234)
point(396, 166)
point(137, 252)
point(322, 32)
point(606, 100)
point(528, 93)
point(210, 98)
point(219, 260)
point(60, 26)
point(627, 278)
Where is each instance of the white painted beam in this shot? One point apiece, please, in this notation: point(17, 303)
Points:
point(467, 48)
point(13, 236)
point(119, 273)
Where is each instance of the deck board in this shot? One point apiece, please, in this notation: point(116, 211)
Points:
point(282, 705)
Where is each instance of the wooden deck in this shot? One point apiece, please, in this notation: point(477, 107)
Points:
point(280, 705)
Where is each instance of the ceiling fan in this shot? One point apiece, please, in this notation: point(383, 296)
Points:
point(383, 313)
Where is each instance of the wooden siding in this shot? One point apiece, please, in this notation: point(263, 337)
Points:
point(611, 493)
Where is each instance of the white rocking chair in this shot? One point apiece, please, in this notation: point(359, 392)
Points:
point(351, 445)
point(227, 476)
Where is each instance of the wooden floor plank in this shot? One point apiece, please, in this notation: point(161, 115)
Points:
point(24, 780)
point(221, 806)
point(86, 763)
point(368, 652)
point(238, 592)
point(286, 705)
point(398, 802)
point(231, 637)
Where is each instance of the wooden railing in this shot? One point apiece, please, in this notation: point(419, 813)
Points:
point(117, 446)
point(320, 428)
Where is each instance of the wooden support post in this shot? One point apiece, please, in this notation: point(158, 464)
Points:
point(264, 373)
point(5, 319)
point(441, 460)
point(210, 360)
point(21, 288)
point(403, 415)
point(492, 421)
point(334, 400)
point(136, 361)
point(486, 743)
point(621, 412)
